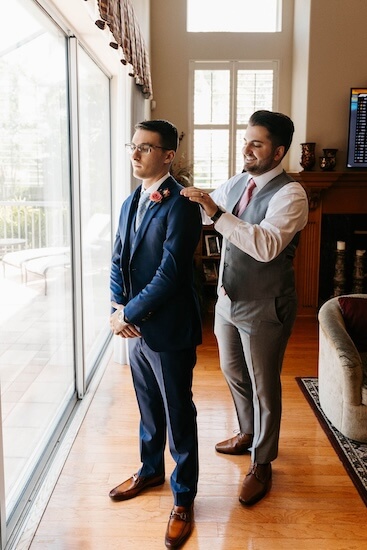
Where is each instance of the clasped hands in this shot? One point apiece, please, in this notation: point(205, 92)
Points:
point(204, 199)
point(123, 329)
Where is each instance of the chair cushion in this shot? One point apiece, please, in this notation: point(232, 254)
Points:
point(354, 312)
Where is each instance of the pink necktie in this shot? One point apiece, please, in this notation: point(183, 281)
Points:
point(246, 197)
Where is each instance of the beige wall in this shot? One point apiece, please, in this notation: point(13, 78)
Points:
point(319, 63)
point(172, 48)
point(337, 62)
point(301, 39)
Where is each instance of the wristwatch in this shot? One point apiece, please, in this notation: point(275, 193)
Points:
point(217, 215)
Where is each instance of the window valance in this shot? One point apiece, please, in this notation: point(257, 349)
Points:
point(120, 18)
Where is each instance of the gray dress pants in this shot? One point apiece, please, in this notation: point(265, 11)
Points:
point(252, 337)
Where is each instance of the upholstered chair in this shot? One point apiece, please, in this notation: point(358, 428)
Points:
point(343, 364)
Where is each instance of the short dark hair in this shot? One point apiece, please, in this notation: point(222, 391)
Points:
point(279, 126)
point(167, 131)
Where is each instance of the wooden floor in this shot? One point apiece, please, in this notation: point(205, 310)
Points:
point(313, 504)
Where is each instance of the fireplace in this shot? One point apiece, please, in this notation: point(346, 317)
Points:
point(338, 212)
point(350, 229)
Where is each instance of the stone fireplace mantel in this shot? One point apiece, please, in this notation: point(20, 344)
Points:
point(329, 193)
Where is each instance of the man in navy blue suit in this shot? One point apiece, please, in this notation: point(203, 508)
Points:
point(156, 308)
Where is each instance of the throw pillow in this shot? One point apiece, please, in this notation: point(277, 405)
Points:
point(354, 311)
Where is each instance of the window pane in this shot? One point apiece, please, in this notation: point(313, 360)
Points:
point(233, 16)
point(36, 323)
point(225, 112)
point(95, 193)
point(254, 91)
point(210, 157)
point(211, 97)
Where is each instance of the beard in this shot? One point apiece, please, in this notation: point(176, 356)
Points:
point(257, 167)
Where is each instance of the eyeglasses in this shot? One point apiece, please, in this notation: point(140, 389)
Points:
point(144, 148)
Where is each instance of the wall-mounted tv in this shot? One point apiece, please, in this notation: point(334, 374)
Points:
point(357, 139)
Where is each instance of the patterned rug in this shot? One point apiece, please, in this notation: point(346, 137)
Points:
point(352, 454)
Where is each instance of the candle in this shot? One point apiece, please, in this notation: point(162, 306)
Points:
point(340, 245)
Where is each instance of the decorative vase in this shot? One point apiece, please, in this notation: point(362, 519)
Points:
point(308, 155)
point(328, 160)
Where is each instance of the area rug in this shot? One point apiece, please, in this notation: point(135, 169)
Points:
point(352, 454)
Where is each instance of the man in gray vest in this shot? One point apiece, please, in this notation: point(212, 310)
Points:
point(260, 214)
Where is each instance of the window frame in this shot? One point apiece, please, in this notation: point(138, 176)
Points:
point(255, 24)
point(233, 66)
point(34, 494)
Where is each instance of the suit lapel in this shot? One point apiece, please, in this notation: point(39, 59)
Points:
point(131, 206)
point(153, 208)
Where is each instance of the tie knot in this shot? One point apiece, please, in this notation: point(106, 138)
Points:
point(144, 197)
point(251, 185)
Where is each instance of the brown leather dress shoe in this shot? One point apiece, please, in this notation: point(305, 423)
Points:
point(237, 445)
point(256, 483)
point(135, 485)
point(179, 526)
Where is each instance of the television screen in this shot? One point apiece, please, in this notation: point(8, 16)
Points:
point(357, 140)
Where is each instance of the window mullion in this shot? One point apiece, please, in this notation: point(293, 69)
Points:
point(232, 120)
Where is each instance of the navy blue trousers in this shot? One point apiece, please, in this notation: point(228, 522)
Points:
point(163, 387)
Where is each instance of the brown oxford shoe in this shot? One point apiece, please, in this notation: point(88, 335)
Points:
point(237, 445)
point(256, 483)
point(179, 526)
point(135, 485)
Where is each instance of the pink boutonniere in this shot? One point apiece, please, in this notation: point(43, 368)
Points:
point(159, 196)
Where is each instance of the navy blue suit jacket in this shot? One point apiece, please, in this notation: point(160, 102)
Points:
point(153, 276)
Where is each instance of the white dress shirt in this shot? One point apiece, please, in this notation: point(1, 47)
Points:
point(287, 214)
point(155, 186)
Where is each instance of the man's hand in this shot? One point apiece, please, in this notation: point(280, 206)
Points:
point(204, 199)
point(123, 329)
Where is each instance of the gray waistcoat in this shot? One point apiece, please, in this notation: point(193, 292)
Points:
point(245, 278)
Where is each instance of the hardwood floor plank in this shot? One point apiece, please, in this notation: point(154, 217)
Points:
point(312, 505)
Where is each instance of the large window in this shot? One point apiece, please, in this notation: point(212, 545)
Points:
point(95, 202)
point(223, 97)
point(233, 15)
point(37, 371)
point(55, 241)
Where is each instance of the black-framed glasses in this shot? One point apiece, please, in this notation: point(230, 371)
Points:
point(144, 148)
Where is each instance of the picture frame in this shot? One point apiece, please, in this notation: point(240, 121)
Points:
point(212, 245)
point(210, 272)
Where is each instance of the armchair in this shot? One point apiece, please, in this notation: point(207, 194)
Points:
point(343, 367)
